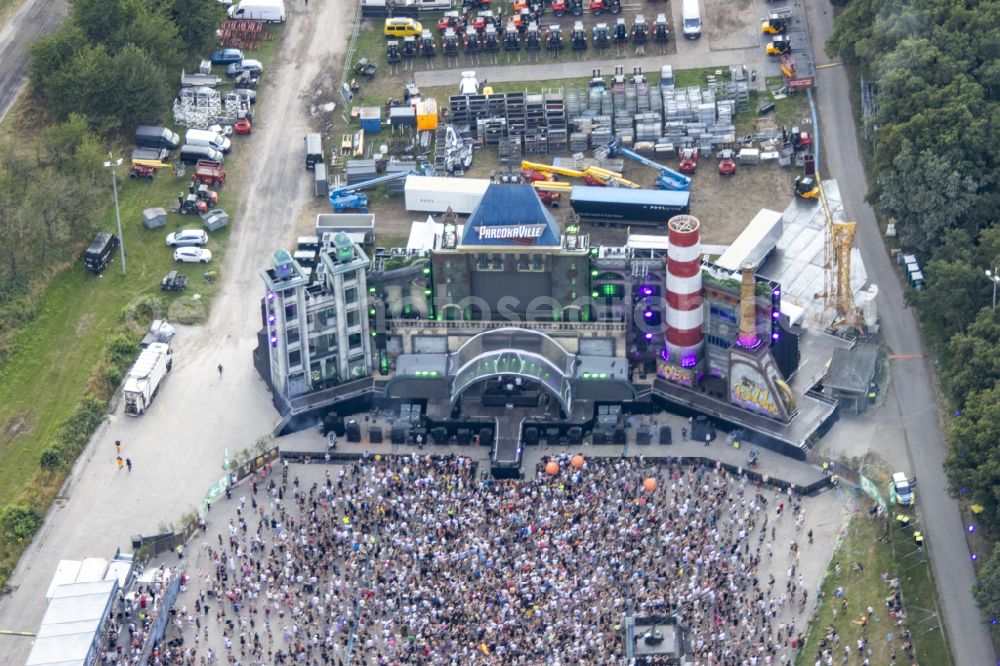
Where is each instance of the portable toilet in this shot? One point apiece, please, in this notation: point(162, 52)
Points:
point(321, 189)
point(427, 114)
point(153, 218)
point(371, 119)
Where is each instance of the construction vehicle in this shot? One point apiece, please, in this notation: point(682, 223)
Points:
point(352, 197)
point(640, 31)
point(510, 38)
point(189, 204)
point(533, 38)
point(208, 196)
point(579, 37)
point(666, 179)
point(484, 19)
point(491, 39)
point(451, 19)
point(427, 44)
point(661, 31)
point(780, 45)
point(553, 39)
point(592, 175)
point(727, 165)
point(144, 379)
point(776, 22)
point(601, 36)
point(599, 6)
point(409, 47)
point(243, 126)
point(173, 281)
point(145, 168)
point(620, 33)
point(392, 52)
point(449, 43)
point(550, 192)
point(210, 173)
point(689, 161)
point(806, 188)
point(798, 139)
point(471, 41)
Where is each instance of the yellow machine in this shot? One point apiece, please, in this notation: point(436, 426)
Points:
point(592, 175)
point(774, 26)
point(780, 45)
point(806, 188)
point(402, 27)
point(551, 186)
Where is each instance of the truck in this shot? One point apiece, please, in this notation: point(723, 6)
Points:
point(432, 194)
point(623, 205)
point(271, 11)
point(156, 136)
point(144, 379)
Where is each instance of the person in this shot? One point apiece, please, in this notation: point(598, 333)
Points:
point(118, 447)
point(220, 371)
point(128, 463)
point(119, 462)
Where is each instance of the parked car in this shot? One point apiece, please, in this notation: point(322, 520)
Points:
point(156, 137)
point(187, 237)
point(192, 255)
point(245, 65)
point(194, 154)
point(226, 56)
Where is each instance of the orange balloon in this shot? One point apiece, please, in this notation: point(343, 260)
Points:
point(552, 468)
point(577, 461)
point(649, 484)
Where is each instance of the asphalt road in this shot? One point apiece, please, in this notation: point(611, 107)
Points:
point(33, 19)
point(178, 446)
point(911, 401)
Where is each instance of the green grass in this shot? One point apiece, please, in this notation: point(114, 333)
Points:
point(55, 354)
point(898, 557)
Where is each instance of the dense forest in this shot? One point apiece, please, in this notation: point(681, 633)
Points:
point(934, 171)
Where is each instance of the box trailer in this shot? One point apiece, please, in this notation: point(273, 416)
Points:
point(432, 194)
point(145, 377)
point(618, 204)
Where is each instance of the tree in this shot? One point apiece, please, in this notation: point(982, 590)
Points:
point(955, 292)
point(972, 360)
point(987, 592)
point(140, 91)
point(101, 20)
point(196, 21)
point(50, 53)
point(153, 32)
point(972, 463)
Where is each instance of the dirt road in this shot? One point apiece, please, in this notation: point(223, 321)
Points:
point(178, 446)
point(33, 19)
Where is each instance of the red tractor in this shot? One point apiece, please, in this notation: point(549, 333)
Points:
point(599, 6)
point(689, 161)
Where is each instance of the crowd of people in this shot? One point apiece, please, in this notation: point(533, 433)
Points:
point(421, 560)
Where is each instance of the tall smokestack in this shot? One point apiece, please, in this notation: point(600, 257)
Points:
point(685, 318)
point(748, 307)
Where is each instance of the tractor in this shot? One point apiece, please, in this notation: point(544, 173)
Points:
point(689, 161)
point(727, 165)
point(780, 45)
point(484, 19)
point(190, 204)
point(451, 19)
point(806, 188)
point(202, 192)
point(599, 6)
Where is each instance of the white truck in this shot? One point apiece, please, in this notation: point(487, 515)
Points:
point(144, 378)
point(271, 11)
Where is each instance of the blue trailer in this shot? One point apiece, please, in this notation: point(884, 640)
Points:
point(626, 206)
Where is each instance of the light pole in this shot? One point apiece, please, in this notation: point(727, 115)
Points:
point(993, 277)
point(114, 164)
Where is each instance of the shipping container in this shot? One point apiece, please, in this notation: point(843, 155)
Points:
point(629, 206)
point(431, 194)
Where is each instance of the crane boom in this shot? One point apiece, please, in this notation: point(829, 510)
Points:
point(549, 168)
point(388, 178)
point(668, 179)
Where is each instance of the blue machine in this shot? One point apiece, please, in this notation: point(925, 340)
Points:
point(668, 179)
point(350, 196)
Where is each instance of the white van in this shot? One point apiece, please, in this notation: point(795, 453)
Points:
point(691, 19)
point(197, 137)
point(272, 11)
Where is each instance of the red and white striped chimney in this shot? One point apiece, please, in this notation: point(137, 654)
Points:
point(685, 317)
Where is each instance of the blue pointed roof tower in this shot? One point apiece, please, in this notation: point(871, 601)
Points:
point(511, 216)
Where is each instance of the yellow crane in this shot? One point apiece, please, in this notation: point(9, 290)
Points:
point(592, 174)
point(840, 241)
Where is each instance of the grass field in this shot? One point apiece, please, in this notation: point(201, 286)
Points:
point(55, 355)
point(888, 556)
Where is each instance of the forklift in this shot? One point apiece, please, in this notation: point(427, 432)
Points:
point(553, 39)
point(661, 32)
point(449, 43)
point(774, 26)
point(639, 33)
point(621, 33)
point(602, 36)
point(806, 188)
point(689, 161)
point(727, 165)
point(579, 37)
point(491, 40)
point(427, 44)
point(471, 41)
point(780, 45)
point(409, 47)
point(392, 52)
point(511, 42)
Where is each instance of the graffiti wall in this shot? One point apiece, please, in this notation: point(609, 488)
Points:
point(675, 374)
point(750, 389)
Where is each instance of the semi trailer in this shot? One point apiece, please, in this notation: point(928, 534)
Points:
point(145, 377)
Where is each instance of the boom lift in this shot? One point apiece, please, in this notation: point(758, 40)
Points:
point(592, 175)
point(667, 178)
point(350, 196)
